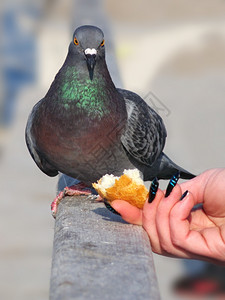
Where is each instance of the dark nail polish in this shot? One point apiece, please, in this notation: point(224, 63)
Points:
point(184, 195)
point(172, 183)
point(110, 208)
point(153, 189)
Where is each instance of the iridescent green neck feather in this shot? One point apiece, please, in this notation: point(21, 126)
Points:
point(85, 94)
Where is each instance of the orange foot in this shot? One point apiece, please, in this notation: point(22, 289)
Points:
point(77, 189)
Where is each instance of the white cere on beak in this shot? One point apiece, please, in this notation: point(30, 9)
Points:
point(90, 51)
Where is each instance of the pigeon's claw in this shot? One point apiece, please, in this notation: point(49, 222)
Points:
point(55, 203)
point(74, 190)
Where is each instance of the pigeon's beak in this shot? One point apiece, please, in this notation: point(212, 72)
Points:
point(91, 61)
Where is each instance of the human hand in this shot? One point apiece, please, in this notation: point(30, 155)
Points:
point(177, 229)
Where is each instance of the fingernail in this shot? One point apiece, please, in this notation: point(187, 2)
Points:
point(110, 208)
point(153, 190)
point(172, 183)
point(184, 195)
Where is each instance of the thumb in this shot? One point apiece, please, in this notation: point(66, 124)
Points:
point(128, 212)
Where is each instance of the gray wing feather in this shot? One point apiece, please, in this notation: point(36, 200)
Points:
point(40, 161)
point(145, 134)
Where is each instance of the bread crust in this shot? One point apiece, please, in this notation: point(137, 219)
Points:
point(124, 188)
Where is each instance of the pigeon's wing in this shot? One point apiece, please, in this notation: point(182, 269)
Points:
point(40, 161)
point(145, 133)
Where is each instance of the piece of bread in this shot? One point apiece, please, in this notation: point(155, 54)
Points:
point(128, 187)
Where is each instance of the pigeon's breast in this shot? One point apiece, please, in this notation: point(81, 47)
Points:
point(81, 147)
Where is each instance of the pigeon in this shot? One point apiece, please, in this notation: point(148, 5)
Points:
point(85, 127)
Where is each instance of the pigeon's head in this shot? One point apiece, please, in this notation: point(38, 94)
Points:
point(88, 42)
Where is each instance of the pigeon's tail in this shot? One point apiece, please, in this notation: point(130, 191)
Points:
point(165, 168)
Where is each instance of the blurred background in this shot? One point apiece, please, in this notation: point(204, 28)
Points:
point(172, 53)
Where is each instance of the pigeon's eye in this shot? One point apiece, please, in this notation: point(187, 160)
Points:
point(76, 41)
point(102, 43)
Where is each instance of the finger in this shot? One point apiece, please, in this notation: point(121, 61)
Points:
point(197, 185)
point(149, 221)
point(179, 224)
point(162, 218)
point(163, 223)
point(189, 240)
point(128, 212)
point(214, 195)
